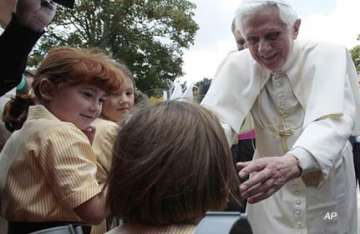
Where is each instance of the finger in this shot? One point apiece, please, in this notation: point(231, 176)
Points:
point(261, 196)
point(250, 190)
point(241, 165)
point(46, 4)
point(90, 133)
point(259, 188)
point(252, 166)
point(257, 178)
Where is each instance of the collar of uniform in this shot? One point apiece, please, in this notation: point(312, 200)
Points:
point(40, 112)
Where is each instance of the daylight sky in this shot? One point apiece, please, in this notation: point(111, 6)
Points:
point(336, 21)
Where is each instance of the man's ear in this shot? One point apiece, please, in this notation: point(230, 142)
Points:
point(296, 28)
point(46, 89)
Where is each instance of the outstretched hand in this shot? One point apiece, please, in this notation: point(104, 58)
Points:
point(35, 14)
point(266, 176)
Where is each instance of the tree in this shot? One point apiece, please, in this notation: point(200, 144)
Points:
point(147, 35)
point(203, 86)
point(355, 53)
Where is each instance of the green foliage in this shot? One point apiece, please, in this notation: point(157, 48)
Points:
point(355, 53)
point(147, 35)
point(203, 86)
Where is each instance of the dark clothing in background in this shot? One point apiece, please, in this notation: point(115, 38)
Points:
point(242, 152)
point(16, 43)
point(356, 152)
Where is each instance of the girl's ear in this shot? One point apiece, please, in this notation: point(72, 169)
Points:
point(46, 89)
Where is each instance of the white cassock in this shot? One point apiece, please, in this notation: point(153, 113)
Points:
point(309, 109)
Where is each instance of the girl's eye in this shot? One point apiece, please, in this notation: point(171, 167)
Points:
point(115, 94)
point(102, 100)
point(87, 94)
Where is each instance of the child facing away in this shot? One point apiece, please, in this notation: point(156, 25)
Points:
point(48, 167)
point(171, 164)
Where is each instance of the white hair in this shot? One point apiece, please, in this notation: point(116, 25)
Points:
point(249, 7)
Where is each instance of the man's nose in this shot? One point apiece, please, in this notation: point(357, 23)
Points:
point(264, 46)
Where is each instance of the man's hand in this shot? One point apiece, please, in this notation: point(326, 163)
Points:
point(267, 175)
point(35, 14)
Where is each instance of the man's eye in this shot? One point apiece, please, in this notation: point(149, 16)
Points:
point(273, 36)
point(241, 42)
point(252, 40)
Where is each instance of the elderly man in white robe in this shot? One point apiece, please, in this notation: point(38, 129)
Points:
point(304, 100)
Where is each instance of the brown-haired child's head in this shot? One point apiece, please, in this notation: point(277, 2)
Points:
point(171, 164)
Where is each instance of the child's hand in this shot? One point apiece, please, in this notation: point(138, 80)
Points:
point(90, 133)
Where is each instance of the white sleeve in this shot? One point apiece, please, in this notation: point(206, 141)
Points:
point(325, 138)
point(231, 136)
point(307, 161)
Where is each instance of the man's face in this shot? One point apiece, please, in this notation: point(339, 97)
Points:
point(268, 37)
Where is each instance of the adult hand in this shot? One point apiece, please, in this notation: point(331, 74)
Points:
point(6, 8)
point(266, 176)
point(35, 14)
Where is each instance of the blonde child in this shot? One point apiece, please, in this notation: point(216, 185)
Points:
point(171, 164)
point(120, 103)
point(115, 111)
point(48, 170)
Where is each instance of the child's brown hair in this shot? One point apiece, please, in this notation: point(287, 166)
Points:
point(171, 164)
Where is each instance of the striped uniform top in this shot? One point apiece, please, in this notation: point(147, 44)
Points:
point(47, 168)
point(106, 132)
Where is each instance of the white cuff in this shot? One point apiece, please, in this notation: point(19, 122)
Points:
point(307, 162)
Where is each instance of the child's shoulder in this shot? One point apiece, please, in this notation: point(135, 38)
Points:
point(49, 129)
point(105, 127)
point(103, 123)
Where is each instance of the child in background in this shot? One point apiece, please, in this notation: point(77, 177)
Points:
point(171, 164)
point(116, 110)
point(120, 103)
point(48, 170)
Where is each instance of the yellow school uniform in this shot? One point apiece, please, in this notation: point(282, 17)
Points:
point(47, 168)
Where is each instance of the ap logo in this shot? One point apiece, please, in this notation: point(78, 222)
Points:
point(330, 216)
